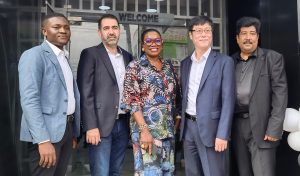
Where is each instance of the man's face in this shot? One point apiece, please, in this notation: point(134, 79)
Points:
point(57, 31)
point(201, 36)
point(109, 32)
point(247, 39)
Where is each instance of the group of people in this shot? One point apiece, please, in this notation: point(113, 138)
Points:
point(218, 99)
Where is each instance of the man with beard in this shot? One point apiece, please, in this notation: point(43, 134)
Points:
point(261, 102)
point(100, 79)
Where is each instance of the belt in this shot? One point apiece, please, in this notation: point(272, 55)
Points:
point(122, 116)
point(70, 118)
point(242, 115)
point(190, 117)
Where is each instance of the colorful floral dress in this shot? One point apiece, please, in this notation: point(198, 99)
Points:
point(153, 93)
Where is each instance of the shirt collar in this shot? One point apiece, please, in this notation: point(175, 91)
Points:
point(145, 62)
point(252, 56)
point(205, 55)
point(58, 51)
point(118, 49)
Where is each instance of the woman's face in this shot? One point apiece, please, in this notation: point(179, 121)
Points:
point(152, 44)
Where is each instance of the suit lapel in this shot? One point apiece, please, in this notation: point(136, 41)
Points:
point(257, 69)
point(126, 58)
point(208, 66)
point(187, 68)
point(52, 57)
point(103, 56)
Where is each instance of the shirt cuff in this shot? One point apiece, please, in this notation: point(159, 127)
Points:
point(44, 141)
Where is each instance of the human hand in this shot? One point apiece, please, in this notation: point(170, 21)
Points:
point(47, 154)
point(269, 138)
point(93, 136)
point(146, 140)
point(220, 145)
point(74, 143)
point(177, 123)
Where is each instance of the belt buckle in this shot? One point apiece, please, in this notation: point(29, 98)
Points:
point(191, 117)
point(70, 118)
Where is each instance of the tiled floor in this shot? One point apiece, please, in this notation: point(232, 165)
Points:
point(80, 166)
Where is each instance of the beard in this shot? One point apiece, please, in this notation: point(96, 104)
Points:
point(111, 40)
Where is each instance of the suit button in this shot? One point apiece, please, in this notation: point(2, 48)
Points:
point(66, 100)
point(64, 113)
point(117, 107)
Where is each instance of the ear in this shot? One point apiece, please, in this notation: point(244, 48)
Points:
point(190, 35)
point(99, 33)
point(44, 32)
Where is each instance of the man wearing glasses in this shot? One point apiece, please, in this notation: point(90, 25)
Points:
point(100, 77)
point(208, 90)
point(261, 87)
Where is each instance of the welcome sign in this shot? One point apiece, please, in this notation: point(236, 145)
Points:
point(160, 19)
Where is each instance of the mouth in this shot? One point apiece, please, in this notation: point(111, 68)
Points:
point(247, 42)
point(153, 49)
point(63, 37)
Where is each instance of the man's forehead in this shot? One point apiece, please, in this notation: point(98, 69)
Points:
point(248, 28)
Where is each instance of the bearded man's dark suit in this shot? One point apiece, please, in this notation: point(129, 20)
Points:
point(267, 104)
point(100, 98)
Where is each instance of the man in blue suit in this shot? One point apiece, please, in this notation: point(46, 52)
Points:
point(49, 100)
point(208, 89)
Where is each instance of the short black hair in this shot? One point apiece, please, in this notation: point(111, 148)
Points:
point(199, 20)
point(149, 30)
point(107, 16)
point(52, 15)
point(247, 22)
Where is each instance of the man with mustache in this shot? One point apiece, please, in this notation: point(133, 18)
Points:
point(261, 101)
point(100, 77)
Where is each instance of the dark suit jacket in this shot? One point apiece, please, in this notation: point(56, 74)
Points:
point(98, 89)
point(268, 96)
point(215, 99)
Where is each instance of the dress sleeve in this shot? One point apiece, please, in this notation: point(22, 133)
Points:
point(131, 100)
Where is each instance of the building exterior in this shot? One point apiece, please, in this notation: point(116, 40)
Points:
point(20, 22)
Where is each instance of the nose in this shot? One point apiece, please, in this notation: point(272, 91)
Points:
point(62, 30)
point(110, 31)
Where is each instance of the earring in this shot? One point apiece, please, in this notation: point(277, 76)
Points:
point(143, 49)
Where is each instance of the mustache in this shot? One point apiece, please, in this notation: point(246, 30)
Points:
point(112, 36)
point(247, 42)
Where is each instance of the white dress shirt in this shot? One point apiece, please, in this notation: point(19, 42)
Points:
point(117, 62)
point(196, 72)
point(67, 72)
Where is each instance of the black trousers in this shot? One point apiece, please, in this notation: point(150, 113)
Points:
point(63, 150)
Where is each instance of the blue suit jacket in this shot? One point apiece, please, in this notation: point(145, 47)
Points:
point(44, 96)
point(215, 98)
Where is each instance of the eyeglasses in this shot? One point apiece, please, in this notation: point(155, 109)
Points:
point(200, 31)
point(149, 41)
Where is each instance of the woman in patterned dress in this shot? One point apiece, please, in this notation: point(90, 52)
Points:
point(150, 94)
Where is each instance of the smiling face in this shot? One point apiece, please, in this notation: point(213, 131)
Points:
point(152, 44)
point(201, 36)
point(247, 40)
point(57, 31)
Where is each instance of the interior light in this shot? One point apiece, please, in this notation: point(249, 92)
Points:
point(104, 7)
point(151, 10)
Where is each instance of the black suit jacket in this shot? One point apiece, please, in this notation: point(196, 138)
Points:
point(99, 92)
point(268, 96)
